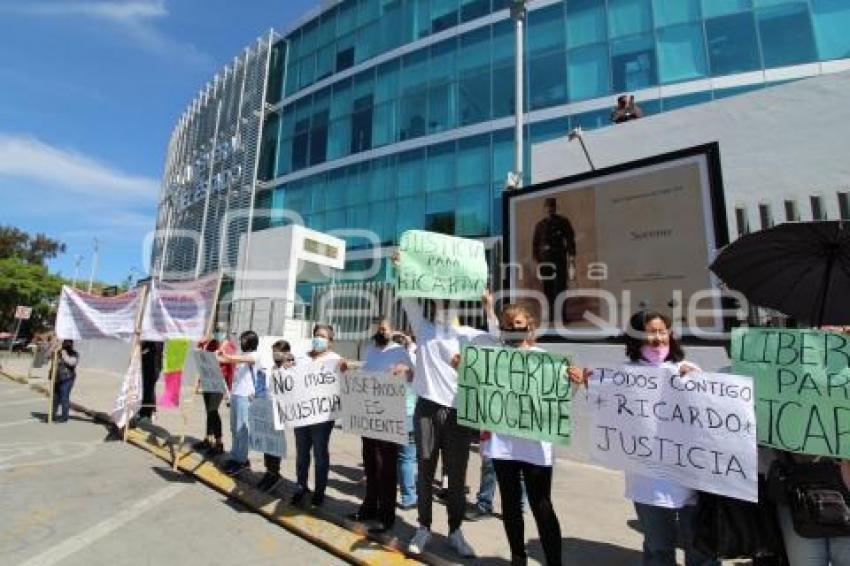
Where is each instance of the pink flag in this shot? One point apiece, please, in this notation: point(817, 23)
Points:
point(170, 397)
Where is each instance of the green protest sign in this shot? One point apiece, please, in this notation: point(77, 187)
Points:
point(436, 266)
point(802, 380)
point(176, 350)
point(522, 393)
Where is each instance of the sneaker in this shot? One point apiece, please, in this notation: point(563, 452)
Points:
point(419, 540)
point(234, 468)
point(476, 514)
point(459, 545)
point(317, 500)
point(202, 446)
point(298, 496)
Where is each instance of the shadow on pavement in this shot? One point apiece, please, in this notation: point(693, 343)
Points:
point(170, 475)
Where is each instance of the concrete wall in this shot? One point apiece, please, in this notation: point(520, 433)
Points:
point(785, 142)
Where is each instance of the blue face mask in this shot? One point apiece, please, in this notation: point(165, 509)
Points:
point(320, 344)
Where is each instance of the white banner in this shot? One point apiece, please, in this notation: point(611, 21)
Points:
point(374, 405)
point(698, 430)
point(264, 436)
point(305, 394)
point(212, 380)
point(129, 399)
point(82, 316)
point(179, 310)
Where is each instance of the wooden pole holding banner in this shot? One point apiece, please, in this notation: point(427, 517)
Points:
point(190, 399)
point(134, 351)
point(51, 385)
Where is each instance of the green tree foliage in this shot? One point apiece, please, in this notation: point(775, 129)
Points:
point(15, 243)
point(30, 284)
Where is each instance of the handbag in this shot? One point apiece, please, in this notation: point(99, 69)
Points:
point(728, 528)
point(815, 494)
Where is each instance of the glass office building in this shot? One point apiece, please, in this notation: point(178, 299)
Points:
point(386, 115)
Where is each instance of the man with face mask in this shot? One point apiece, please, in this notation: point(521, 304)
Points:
point(283, 358)
point(380, 456)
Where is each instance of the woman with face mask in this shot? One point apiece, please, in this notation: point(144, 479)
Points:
point(282, 359)
point(380, 456)
point(212, 444)
point(666, 510)
point(241, 396)
point(315, 437)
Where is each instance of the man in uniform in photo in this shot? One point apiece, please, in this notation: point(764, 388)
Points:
point(554, 253)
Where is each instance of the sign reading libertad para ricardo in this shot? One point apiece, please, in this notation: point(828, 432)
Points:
point(802, 380)
point(440, 267)
point(524, 393)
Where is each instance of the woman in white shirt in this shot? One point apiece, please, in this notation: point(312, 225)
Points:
point(240, 400)
point(666, 510)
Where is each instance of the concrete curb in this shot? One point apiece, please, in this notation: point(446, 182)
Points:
point(324, 530)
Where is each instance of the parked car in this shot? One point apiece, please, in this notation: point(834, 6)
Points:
point(19, 345)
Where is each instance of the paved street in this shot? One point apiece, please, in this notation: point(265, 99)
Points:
point(67, 497)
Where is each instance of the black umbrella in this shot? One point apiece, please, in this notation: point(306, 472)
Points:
point(801, 269)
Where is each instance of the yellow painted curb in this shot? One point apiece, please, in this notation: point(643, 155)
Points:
point(324, 532)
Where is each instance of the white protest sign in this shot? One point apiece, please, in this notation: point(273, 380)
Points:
point(129, 399)
point(374, 405)
point(698, 430)
point(264, 436)
point(179, 310)
point(82, 316)
point(308, 393)
point(212, 381)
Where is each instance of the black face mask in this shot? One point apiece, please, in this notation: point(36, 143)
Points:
point(381, 339)
point(514, 336)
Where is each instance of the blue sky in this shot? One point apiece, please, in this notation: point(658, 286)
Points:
point(89, 93)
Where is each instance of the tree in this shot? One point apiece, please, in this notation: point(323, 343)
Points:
point(28, 284)
point(15, 243)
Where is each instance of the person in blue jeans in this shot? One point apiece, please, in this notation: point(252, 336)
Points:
point(407, 455)
point(315, 437)
point(66, 373)
point(242, 394)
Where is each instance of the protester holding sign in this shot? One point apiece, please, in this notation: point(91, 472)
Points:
point(435, 419)
point(66, 373)
point(665, 509)
point(380, 457)
point(240, 404)
point(282, 356)
point(315, 437)
point(212, 443)
point(520, 461)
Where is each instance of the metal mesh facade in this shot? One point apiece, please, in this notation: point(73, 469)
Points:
point(210, 171)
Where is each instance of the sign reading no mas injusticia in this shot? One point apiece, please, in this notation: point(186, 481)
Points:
point(436, 266)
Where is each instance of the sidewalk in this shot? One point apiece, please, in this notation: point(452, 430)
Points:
point(596, 521)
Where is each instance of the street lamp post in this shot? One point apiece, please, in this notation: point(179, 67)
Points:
point(93, 264)
point(77, 260)
point(518, 14)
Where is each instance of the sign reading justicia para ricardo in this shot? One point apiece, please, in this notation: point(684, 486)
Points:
point(437, 266)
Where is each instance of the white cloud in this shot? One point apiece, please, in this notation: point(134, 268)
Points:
point(133, 18)
point(28, 159)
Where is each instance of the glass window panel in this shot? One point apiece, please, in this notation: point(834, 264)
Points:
point(368, 38)
point(335, 219)
point(419, 12)
point(732, 44)
point(339, 138)
point(444, 14)
point(335, 189)
point(546, 29)
point(473, 161)
point(412, 215)
point(671, 12)
point(547, 80)
point(361, 124)
point(307, 71)
point(474, 99)
point(627, 17)
point(386, 82)
point(587, 75)
point(384, 126)
point(414, 71)
point(268, 155)
point(681, 53)
point(786, 35)
point(440, 173)
point(367, 11)
point(831, 19)
point(411, 172)
point(287, 123)
point(391, 31)
point(327, 28)
point(503, 43)
point(345, 52)
point(592, 120)
point(294, 40)
point(382, 184)
point(549, 130)
point(586, 22)
point(443, 201)
point(711, 8)
point(503, 156)
point(284, 157)
point(441, 64)
point(412, 111)
point(325, 60)
point(471, 9)
point(309, 35)
point(474, 54)
point(675, 102)
point(346, 17)
point(319, 137)
point(503, 91)
point(472, 214)
point(442, 107)
point(292, 77)
point(633, 63)
point(341, 105)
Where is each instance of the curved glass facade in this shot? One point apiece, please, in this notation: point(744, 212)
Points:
point(386, 115)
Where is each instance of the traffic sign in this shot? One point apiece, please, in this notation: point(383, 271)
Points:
point(23, 313)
